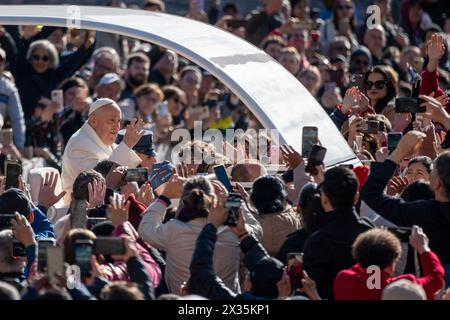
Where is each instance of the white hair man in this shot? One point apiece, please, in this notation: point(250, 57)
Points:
point(95, 141)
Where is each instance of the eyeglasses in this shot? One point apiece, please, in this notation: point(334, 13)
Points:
point(379, 84)
point(344, 6)
point(36, 57)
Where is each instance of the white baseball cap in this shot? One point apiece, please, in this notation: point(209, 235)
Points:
point(100, 103)
point(109, 78)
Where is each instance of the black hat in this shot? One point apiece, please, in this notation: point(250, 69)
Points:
point(15, 200)
point(307, 193)
point(264, 277)
point(144, 145)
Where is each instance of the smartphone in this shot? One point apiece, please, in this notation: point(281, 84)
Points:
point(138, 175)
point(163, 109)
point(381, 126)
point(356, 80)
point(7, 136)
point(233, 203)
point(108, 246)
point(402, 233)
point(275, 156)
point(78, 214)
point(58, 97)
point(55, 263)
point(43, 244)
point(18, 249)
point(84, 249)
point(409, 105)
point(222, 176)
point(371, 127)
point(303, 25)
point(237, 23)
point(98, 212)
point(295, 269)
point(310, 137)
point(160, 175)
point(5, 221)
point(315, 158)
point(393, 139)
point(13, 169)
point(93, 221)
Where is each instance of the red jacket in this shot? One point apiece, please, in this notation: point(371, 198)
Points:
point(351, 284)
point(136, 210)
point(430, 84)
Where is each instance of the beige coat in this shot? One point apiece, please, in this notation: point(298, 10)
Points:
point(178, 239)
point(276, 227)
point(85, 149)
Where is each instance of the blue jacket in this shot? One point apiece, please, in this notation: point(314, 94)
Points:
point(42, 227)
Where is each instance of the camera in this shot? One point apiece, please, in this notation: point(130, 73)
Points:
point(371, 127)
point(233, 203)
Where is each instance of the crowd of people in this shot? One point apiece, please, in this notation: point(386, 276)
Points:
point(98, 111)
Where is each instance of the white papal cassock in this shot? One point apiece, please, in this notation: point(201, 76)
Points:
point(84, 150)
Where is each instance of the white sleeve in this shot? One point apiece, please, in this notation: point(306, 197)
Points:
point(151, 228)
point(125, 156)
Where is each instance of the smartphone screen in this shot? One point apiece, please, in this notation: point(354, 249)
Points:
point(58, 97)
point(393, 140)
point(55, 262)
point(110, 246)
point(310, 137)
point(356, 80)
point(18, 249)
point(13, 170)
point(295, 268)
point(233, 203)
point(7, 136)
point(78, 214)
point(163, 109)
point(222, 176)
point(43, 245)
point(84, 249)
point(138, 175)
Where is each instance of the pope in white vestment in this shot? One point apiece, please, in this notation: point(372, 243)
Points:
point(89, 145)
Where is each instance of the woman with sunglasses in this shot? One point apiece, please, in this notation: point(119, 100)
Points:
point(380, 89)
point(342, 22)
point(148, 96)
point(39, 70)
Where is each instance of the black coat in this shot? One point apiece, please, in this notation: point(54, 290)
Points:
point(32, 85)
point(431, 215)
point(204, 281)
point(329, 250)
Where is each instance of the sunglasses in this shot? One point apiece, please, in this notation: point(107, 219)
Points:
point(36, 57)
point(345, 6)
point(379, 84)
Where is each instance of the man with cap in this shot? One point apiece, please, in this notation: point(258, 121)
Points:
point(110, 87)
point(144, 148)
point(14, 200)
point(10, 106)
point(95, 141)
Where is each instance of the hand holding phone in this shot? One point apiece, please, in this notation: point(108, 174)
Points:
point(139, 175)
point(295, 269)
point(109, 246)
point(84, 249)
point(393, 140)
point(78, 214)
point(409, 105)
point(315, 159)
point(310, 137)
point(233, 203)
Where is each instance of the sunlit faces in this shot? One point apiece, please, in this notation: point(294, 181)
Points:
point(291, 61)
point(375, 40)
point(106, 123)
point(344, 9)
point(58, 38)
point(273, 49)
point(417, 171)
point(147, 103)
point(190, 82)
point(103, 66)
point(111, 91)
point(137, 73)
point(147, 161)
point(40, 60)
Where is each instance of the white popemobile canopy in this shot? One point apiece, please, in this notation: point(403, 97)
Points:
point(276, 98)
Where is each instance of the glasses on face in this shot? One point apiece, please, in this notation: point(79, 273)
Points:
point(379, 84)
point(192, 80)
point(344, 7)
point(36, 57)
